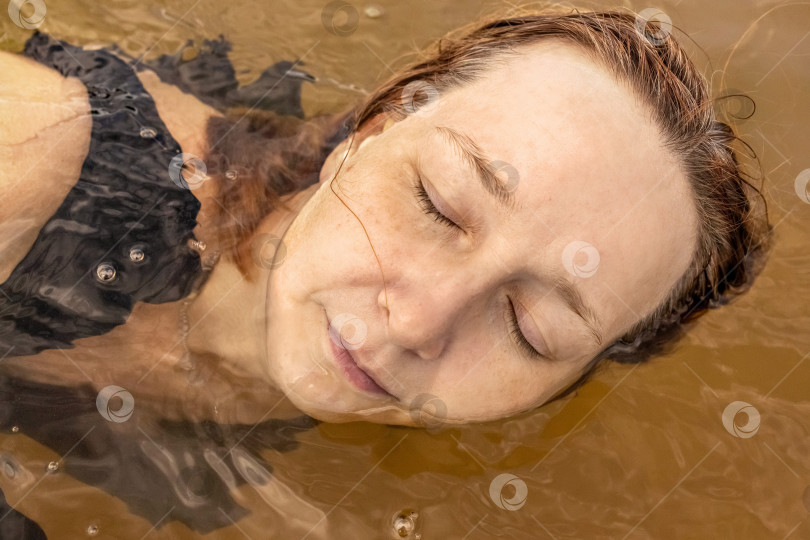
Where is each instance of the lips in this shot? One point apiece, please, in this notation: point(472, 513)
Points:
point(348, 365)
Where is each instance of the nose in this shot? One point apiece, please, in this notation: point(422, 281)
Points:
point(424, 315)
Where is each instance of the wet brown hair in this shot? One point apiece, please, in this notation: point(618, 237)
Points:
point(734, 235)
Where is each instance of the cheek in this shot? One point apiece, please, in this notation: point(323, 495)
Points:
point(329, 244)
point(377, 198)
point(499, 384)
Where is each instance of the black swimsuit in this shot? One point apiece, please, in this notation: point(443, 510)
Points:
point(119, 237)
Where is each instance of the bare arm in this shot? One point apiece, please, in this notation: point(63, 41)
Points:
point(45, 126)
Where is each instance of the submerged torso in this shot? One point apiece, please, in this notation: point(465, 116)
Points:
point(194, 435)
point(44, 156)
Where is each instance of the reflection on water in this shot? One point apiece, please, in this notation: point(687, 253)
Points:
point(149, 463)
point(641, 451)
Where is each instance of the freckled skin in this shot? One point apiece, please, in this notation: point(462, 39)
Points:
point(588, 172)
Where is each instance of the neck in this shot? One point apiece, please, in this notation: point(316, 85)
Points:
point(227, 320)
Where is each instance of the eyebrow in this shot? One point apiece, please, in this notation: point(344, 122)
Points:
point(471, 153)
point(479, 161)
point(573, 299)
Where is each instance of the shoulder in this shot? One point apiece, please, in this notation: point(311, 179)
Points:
point(44, 138)
point(35, 97)
point(185, 116)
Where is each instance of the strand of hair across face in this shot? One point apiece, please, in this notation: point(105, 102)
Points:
point(332, 189)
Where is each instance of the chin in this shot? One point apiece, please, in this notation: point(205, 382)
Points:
point(335, 410)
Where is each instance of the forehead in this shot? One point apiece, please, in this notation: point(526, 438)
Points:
point(591, 168)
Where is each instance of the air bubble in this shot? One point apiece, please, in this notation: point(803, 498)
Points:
point(105, 272)
point(374, 11)
point(136, 254)
point(9, 469)
point(404, 523)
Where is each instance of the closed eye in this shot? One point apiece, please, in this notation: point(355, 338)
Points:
point(428, 208)
point(518, 336)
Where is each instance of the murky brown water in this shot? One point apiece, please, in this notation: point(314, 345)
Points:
point(639, 452)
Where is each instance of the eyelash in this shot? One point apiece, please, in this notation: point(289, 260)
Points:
point(428, 208)
point(518, 336)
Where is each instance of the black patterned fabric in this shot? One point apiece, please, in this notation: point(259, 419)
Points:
point(124, 199)
point(80, 279)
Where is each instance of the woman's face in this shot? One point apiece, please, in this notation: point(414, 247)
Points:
point(601, 211)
